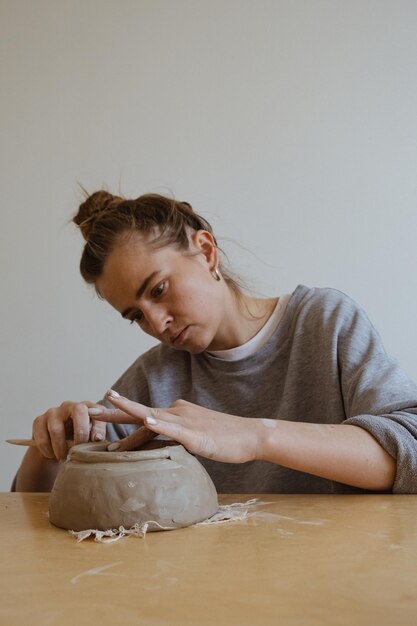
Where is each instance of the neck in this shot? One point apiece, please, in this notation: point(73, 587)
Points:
point(243, 318)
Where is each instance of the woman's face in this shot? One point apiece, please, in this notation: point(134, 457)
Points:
point(170, 294)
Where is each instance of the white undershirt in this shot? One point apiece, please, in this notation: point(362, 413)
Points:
point(254, 344)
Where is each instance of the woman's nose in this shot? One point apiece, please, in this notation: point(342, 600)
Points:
point(158, 319)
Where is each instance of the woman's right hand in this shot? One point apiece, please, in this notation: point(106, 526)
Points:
point(70, 420)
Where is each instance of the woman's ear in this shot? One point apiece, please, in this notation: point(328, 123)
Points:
point(205, 243)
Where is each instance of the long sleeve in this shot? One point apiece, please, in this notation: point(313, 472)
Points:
point(378, 395)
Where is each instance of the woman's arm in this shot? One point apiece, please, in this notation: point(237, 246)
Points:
point(36, 473)
point(344, 453)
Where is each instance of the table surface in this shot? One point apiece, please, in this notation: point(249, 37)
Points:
point(295, 560)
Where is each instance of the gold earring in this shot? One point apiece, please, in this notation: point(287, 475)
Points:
point(216, 274)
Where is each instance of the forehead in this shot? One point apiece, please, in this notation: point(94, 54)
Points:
point(129, 264)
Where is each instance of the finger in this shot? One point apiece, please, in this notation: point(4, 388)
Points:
point(135, 409)
point(135, 440)
point(81, 423)
point(56, 429)
point(41, 436)
point(98, 430)
point(173, 430)
point(97, 427)
point(194, 441)
point(115, 416)
point(140, 411)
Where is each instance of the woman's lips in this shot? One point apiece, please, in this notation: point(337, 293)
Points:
point(178, 339)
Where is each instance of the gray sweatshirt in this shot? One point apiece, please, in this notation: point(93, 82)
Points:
point(324, 364)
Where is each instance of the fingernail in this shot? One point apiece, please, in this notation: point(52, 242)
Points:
point(113, 446)
point(95, 411)
point(113, 394)
point(98, 437)
point(150, 420)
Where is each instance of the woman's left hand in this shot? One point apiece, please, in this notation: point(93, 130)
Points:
point(201, 431)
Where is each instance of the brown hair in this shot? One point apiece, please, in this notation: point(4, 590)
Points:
point(103, 218)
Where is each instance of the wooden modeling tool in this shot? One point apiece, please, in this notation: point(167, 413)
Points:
point(142, 438)
point(31, 442)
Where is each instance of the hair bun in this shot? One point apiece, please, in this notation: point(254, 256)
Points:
point(92, 209)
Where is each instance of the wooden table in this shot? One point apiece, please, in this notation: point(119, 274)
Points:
point(298, 560)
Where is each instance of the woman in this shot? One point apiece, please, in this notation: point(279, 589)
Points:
point(290, 394)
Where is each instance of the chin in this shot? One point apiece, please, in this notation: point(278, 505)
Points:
point(196, 349)
point(192, 349)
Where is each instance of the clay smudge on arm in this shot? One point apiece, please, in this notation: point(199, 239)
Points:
point(268, 423)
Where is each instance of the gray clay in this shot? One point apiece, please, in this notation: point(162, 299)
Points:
point(97, 489)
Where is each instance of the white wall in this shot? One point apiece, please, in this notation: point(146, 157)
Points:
point(291, 125)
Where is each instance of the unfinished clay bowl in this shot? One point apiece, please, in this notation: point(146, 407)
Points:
point(97, 489)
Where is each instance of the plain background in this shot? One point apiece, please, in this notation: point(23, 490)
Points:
point(290, 125)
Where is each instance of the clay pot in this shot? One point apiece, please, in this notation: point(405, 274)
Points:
point(96, 489)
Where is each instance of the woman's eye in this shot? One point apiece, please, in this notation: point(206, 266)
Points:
point(137, 318)
point(159, 289)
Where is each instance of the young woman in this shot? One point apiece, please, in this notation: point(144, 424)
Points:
point(279, 395)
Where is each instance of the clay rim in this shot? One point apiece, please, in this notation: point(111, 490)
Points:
point(98, 453)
